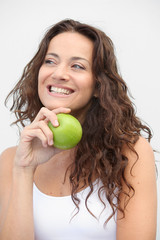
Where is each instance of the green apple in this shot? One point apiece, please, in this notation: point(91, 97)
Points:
point(69, 132)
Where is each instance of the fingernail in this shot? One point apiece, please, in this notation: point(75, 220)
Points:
point(56, 123)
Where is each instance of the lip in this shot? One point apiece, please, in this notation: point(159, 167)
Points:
point(59, 94)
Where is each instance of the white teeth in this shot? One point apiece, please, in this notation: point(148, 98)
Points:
point(60, 90)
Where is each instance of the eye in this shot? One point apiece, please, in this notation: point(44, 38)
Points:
point(49, 61)
point(77, 66)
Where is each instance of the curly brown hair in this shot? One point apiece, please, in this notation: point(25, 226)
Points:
point(110, 122)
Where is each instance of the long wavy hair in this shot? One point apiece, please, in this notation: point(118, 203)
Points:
point(110, 123)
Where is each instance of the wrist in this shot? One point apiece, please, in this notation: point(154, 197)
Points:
point(21, 165)
point(27, 170)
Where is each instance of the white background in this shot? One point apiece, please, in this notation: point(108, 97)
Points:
point(133, 25)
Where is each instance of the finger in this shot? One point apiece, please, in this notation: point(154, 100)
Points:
point(43, 125)
point(30, 134)
point(42, 114)
point(47, 115)
point(54, 119)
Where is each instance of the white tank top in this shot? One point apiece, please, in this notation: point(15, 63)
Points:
point(52, 217)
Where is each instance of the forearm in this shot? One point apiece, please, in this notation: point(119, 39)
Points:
point(18, 219)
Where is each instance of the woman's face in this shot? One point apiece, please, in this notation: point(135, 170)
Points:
point(65, 78)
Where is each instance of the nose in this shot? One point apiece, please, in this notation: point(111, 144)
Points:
point(60, 72)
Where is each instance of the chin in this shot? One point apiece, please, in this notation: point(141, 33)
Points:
point(52, 107)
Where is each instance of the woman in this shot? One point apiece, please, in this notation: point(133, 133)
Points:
point(105, 187)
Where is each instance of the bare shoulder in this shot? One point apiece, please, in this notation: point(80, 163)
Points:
point(6, 164)
point(142, 160)
point(9, 151)
point(142, 146)
point(141, 211)
point(7, 156)
point(141, 169)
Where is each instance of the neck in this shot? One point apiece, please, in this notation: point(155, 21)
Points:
point(59, 163)
point(80, 114)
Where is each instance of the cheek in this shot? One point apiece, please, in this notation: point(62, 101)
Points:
point(89, 86)
point(41, 76)
point(39, 83)
point(41, 79)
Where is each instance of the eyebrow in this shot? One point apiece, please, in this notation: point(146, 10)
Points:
point(53, 54)
point(72, 58)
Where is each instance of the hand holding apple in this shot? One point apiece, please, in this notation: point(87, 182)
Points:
point(69, 132)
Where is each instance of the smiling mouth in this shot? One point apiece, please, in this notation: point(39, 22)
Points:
point(62, 91)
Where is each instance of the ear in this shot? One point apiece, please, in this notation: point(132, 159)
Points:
point(95, 93)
